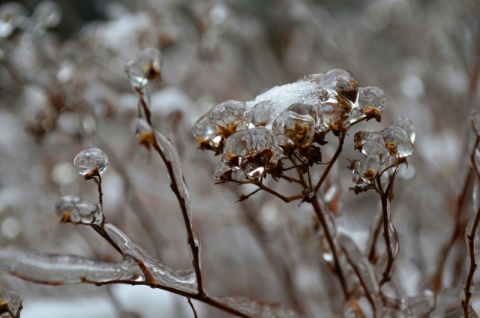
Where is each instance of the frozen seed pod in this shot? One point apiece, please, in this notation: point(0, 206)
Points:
point(90, 162)
point(219, 123)
point(72, 209)
point(262, 114)
point(297, 124)
point(406, 124)
point(397, 141)
point(248, 153)
point(342, 82)
point(145, 67)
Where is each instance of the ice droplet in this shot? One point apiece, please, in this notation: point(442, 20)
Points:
point(11, 303)
point(47, 15)
point(90, 161)
point(145, 67)
point(77, 210)
point(11, 15)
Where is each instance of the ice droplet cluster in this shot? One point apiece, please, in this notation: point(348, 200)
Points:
point(72, 209)
point(387, 148)
point(254, 135)
point(91, 161)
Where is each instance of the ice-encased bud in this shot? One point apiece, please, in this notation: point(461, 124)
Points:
point(145, 67)
point(406, 124)
point(297, 123)
point(47, 15)
point(375, 145)
point(262, 114)
point(371, 97)
point(219, 123)
point(328, 116)
point(72, 209)
point(342, 82)
point(248, 153)
point(90, 161)
point(398, 141)
point(11, 16)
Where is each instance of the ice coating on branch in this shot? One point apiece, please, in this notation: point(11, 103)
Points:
point(183, 280)
point(252, 308)
point(364, 269)
point(55, 269)
point(247, 154)
point(145, 67)
point(72, 209)
point(90, 161)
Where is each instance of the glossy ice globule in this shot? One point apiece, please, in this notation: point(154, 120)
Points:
point(90, 161)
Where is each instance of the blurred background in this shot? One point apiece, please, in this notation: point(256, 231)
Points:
point(63, 88)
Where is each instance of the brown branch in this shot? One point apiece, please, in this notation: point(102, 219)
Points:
point(278, 195)
point(386, 233)
point(341, 140)
point(467, 289)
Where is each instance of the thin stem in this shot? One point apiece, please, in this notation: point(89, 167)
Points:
point(467, 289)
point(386, 233)
point(457, 230)
point(193, 308)
point(185, 213)
point(278, 195)
point(338, 269)
point(378, 227)
point(99, 229)
point(341, 140)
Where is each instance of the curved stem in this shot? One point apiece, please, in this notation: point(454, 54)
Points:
point(338, 269)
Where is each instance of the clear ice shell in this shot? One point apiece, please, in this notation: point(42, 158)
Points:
point(146, 66)
point(406, 124)
point(247, 153)
point(262, 114)
point(401, 140)
point(371, 96)
point(297, 123)
point(72, 209)
point(219, 123)
point(91, 160)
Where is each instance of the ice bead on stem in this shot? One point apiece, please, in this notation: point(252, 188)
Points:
point(370, 97)
point(145, 67)
point(90, 161)
point(11, 16)
point(72, 209)
point(47, 15)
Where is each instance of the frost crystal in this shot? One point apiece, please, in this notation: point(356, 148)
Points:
point(77, 210)
point(90, 161)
